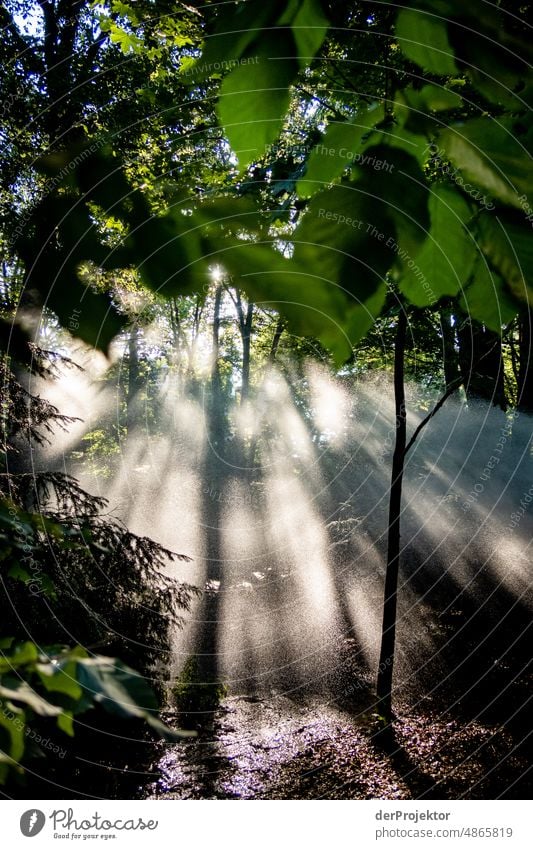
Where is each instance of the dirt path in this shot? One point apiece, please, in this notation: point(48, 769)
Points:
point(275, 748)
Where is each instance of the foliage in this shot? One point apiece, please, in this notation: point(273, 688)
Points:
point(195, 698)
point(325, 159)
point(74, 574)
point(43, 687)
point(393, 215)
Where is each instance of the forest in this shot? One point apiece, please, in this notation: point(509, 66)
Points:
point(266, 461)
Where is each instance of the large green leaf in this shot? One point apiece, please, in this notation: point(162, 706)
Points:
point(238, 27)
point(401, 186)
point(306, 291)
point(348, 239)
point(487, 299)
point(20, 655)
point(65, 240)
point(343, 239)
point(423, 38)
point(339, 148)
point(65, 722)
point(416, 110)
point(122, 691)
point(444, 263)
point(332, 287)
point(60, 677)
point(508, 245)
point(432, 98)
point(254, 98)
point(18, 690)
point(385, 157)
point(163, 249)
point(495, 155)
point(500, 74)
point(12, 723)
point(309, 26)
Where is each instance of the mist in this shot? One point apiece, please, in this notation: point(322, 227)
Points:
point(290, 549)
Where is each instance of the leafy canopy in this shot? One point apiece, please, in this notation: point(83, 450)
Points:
point(389, 195)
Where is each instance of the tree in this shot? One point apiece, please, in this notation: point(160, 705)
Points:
point(463, 252)
point(423, 190)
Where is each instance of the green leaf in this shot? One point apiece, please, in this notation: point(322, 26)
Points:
point(332, 288)
point(340, 147)
point(168, 734)
point(118, 688)
point(22, 654)
point(393, 175)
point(60, 677)
point(495, 155)
point(254, 98)
point(12, 725)
point(508, 246)
point(101, 178)
point(433, 98)
point(413, 143)
point(496, 55)
point(20, 691)
point(342, 239)
point(66, 240)
point(65, 722)
point(309, 27)
point(128, 42)
point(88, 315)
point(423, 38)
point(237, 30)
point(313, 305)
point(444, 263)
point(165, 249)
point(228, 216)
point(349, 236)
point(16, 571)
point(122, 691)
point(501, 76)
point(487, 299)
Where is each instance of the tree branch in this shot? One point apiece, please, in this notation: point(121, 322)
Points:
point(455, 384)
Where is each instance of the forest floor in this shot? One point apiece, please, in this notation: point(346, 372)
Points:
point(292, 616)
point(276, 748)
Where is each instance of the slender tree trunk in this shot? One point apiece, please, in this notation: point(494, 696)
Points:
point(245, 320)
point(216, 406)
point(215, 351)
point(480, 356)
point(449, 352)
point(388, 632)
point(276, 340)
point(525, 360)
point(214, 483)
point(246, 346)
point(133, 380)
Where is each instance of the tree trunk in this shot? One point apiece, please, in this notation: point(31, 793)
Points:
point(133, 380)
point(525, 362)
point(244, 320)
point(276, 340)
point(480, 357)
point(215, 351)
point(449, 353)
point(246, 346)
point(214, 484)
point(388, 631)
point(216, 423)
